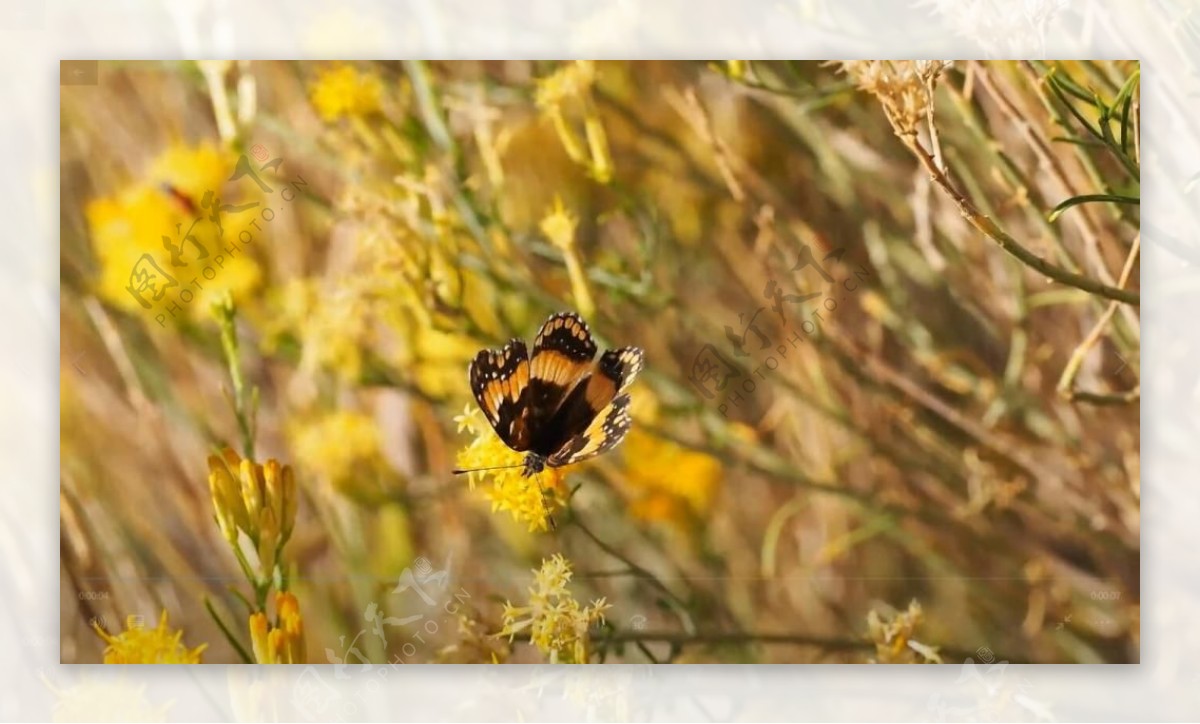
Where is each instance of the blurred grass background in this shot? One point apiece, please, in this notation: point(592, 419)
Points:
point(962, 431)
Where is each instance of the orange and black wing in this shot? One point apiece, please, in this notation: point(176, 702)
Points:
point(609, 377)
point(603, 434)
point(562, 356)
point(500, 382)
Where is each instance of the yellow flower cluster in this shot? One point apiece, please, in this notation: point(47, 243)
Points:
point(343, 91)
point(140, 645)
point(283, 641)
point(258, 501)
point(531, 500)
point(133, 221)
point(565, 96)
point(338, 445)
point(556, 623)
point(893, 636)
point(666, 481)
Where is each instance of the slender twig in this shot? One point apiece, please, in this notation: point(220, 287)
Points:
point(237, 646)
point(680, 604)
point(1011, 245)
point(1066, 382)
point(718, 638)
point(226, 314)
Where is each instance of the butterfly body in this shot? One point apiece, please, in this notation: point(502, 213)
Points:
point(558, 404)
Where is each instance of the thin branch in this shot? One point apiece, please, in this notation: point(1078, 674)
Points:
point(822, 642)
point(1011, 245)
point(1066, 383)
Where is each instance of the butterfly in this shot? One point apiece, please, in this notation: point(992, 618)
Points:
point(560, 404)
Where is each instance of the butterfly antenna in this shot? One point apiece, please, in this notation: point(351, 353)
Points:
point(460, 471)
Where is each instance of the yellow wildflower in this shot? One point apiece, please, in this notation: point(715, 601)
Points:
point(667, 481)
point(559, 227)
point(568, 91)
point(655, 467)
point(140, 645)
point(343, 91)
point(570, 81)
point(332, 323)
point(531, 500)
point(283, 641)
point(557, 624)
point(192, 170)
point(258, 501)
point(132, 227)
point(338, 445)
point(893, 633)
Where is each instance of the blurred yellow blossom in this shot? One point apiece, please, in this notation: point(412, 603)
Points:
point(140, 645)
point(559, 227)
point(337, 445)
point(160, 221)
point(530, 500)
point(656, 468)
point(565, 96)
point(283, 641)
point(192, 170)
point(556, 623)
point(343, 91)
point(667, 481)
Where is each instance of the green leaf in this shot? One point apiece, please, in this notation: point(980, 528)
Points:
point(1091, 198)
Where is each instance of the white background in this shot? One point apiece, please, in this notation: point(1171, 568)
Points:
point(35, 36)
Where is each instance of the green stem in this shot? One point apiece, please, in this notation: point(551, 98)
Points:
point(237, 646)
point(226, 315)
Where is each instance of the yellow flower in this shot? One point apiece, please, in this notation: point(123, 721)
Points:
point(258, 501)
point(893, 632)
point(192, 170)
point(668, 482)
point(140, 645)
point(282, 642)
point(128, 227)
point(682, 481)
point(332, 323)
point(568, 90)
point(556, 623)
point(338, 445)
point(343, 91)
point(559, 227)
point(570, 81)
point(531, 500)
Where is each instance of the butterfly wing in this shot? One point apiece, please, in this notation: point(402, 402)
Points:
point(603, 434)
point(609, 377)
point(500, 382)
point(562, 356)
